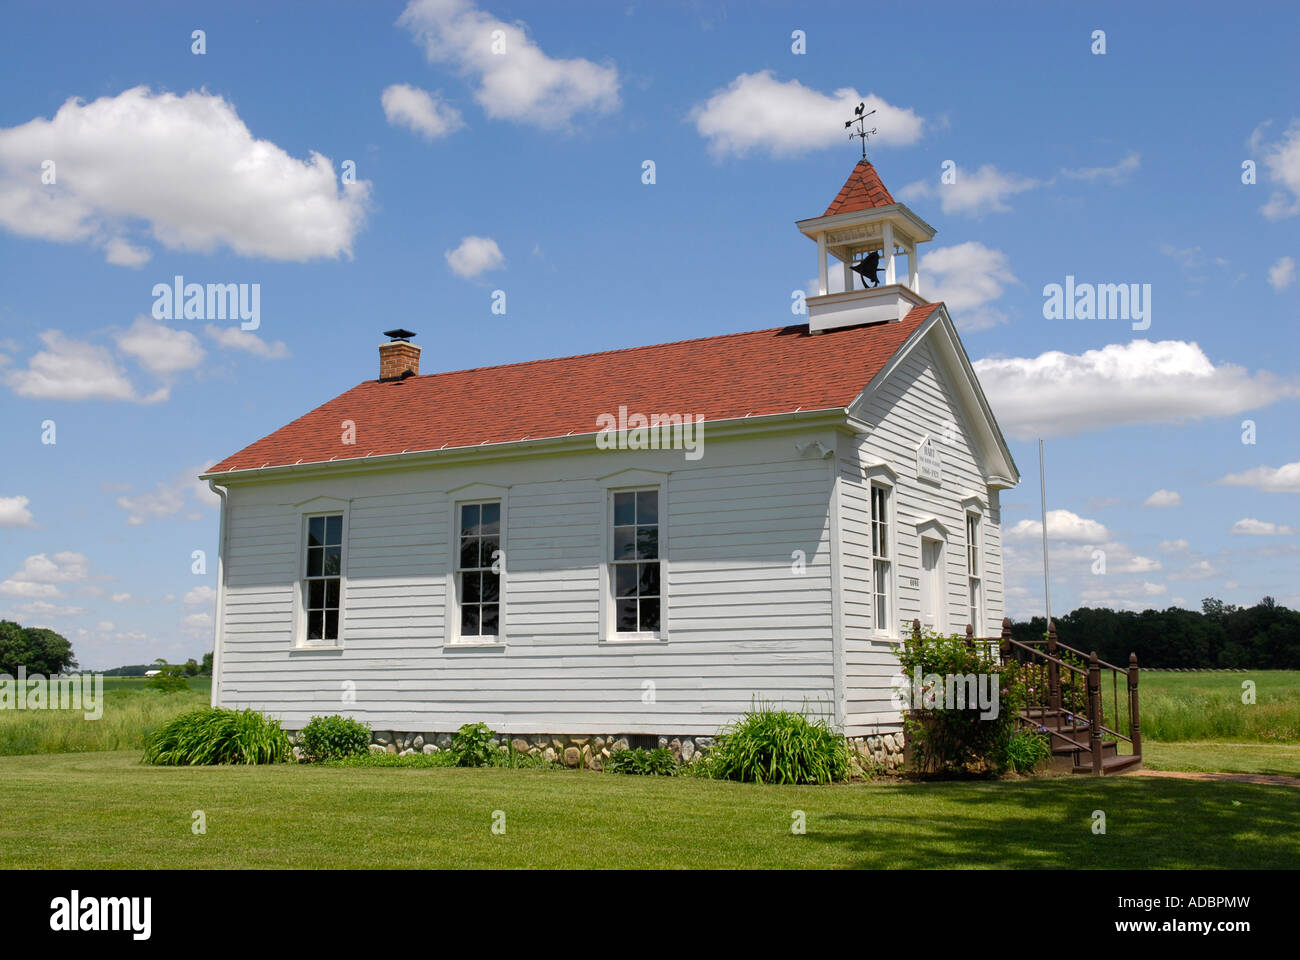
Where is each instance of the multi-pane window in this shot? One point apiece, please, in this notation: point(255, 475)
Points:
point(634, 567)
point(478, 569)
point(323, 576)
point(973, 567)
point(881, 555)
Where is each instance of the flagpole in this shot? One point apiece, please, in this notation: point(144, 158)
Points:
point(1042, 492)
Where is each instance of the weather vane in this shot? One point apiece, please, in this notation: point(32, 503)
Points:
point(859, 118)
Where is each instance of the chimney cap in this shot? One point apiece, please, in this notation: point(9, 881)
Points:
point(399, 334)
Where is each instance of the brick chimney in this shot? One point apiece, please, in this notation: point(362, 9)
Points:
point(398, 358)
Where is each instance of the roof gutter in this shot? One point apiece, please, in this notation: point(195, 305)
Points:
point(513, 448)
point(220, 617)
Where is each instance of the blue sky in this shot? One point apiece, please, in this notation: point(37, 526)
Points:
point(1122, 167)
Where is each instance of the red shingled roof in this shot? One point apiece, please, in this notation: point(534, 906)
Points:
point(782, 370)
point(863, 190)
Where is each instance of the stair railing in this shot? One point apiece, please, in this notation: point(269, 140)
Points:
point(1048, 664)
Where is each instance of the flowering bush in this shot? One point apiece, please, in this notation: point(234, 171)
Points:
point(959, 737)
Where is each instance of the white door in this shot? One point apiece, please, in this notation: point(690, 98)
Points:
point(932, 584)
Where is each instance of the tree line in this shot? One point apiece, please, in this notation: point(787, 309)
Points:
point(48, 653)
point(1265, 636)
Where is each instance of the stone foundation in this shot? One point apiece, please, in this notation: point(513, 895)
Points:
point(883, 751)
point(585, 750)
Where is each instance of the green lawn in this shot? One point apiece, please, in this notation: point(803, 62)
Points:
point(1210, 757)
point(106, 810)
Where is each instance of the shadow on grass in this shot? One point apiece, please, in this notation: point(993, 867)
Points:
point(1049, 824)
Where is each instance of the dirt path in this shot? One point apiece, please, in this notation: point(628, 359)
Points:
point(1268, 778)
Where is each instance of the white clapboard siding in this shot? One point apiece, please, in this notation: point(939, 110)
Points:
point(744, 626)
point(915, 401)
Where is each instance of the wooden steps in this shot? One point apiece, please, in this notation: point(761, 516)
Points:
point(1071, 741)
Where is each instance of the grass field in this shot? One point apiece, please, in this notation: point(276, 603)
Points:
point(106, 810)
point(1177, 707)
point(131, 710)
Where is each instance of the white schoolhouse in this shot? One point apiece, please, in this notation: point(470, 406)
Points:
point(641, 542)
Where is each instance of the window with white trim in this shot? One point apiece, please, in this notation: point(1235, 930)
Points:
point(973, 564)
point(478, 569)
point(881, 558)
point(634, 569)
point(322, 578)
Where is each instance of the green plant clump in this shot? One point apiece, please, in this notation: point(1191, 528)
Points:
point(1024, 751)
point(771, 746)
point(659, 762)
point(475, 746)
point(334, 737)
point(216, 735)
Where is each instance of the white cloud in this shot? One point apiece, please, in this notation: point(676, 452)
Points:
point(1116, 174)
point(14, 512)
point(1164, 498)
point(168, 498)
point(39, 574)
point(1172, 546)
point(1283, 479)
point(474, 256)
point(1250, 527)
point(1169, 381)
point(122, 253)
point(521, 83)
point(1282, 274)
point(1200, 570)
point(968, 277)
point(74, 370)
point(199, 595)
point(160, 349)
point(1062, 525)
point(972, 194)
point(186, 167)
point(1282, 159)
point(758, 112)
point(121, 597)
point(43, 608)
point(198, 620)
point(419, 111)
point(233, 338)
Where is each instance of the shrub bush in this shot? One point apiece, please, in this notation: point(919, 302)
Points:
point(771, 746)
point(659, 762)
point(334, 737)
point(1023, 751)
point(215, 735)
point(946, 739)
point(168, 682)
point(474, 746)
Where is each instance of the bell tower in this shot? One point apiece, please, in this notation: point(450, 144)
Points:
point(866, 230)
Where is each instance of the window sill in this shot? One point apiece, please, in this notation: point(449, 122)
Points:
point(317, 648)
point(619, 639)
point(475, 645)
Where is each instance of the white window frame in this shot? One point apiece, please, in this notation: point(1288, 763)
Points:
point(463, 496)
point(883, 627)
point(319, 507)
point(624, 482)
point(975, 569)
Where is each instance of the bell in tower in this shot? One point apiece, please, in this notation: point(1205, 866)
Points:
point(866, 230)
